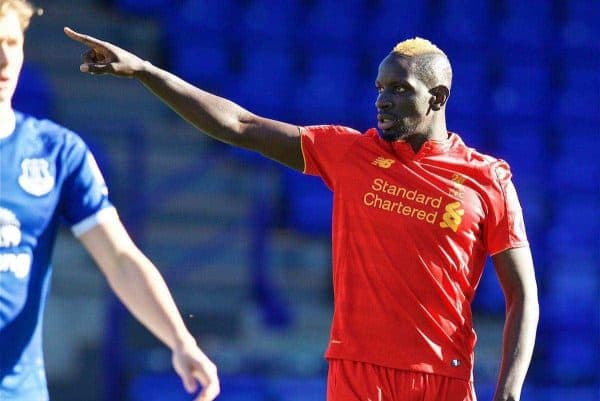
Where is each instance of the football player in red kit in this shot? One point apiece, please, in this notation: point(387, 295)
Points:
point(416, 212)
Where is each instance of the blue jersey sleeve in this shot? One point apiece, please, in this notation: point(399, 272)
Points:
point(84, 194)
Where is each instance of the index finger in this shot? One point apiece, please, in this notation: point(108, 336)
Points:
point(85, 39)
point(210, 387)
point(209, 392)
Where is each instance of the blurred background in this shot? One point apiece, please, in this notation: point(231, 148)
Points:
point(244, 244)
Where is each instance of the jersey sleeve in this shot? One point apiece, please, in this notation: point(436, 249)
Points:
point(84, 200)
point(324, 147)
point(504, 227)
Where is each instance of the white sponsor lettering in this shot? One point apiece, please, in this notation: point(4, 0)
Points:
point(9, 236)
point(18, 264)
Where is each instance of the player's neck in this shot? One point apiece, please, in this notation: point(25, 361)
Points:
point(7, 121)
point(437, 132)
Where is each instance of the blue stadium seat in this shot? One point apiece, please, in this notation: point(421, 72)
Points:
point(580, 32)
point(156, 387)
point(575, 168)
point(523, 145)
point(575, 237)
point(522, 91)
point(576, 171)
point(331, 21)
point(579, 94)
point(527, 24)
point(242, 388)
point(153, 8)
point(168, 387)
point(573, 359)
point(470, 88)
point(386, 26)
point(271, 22)
point(34, 94)
point(466, 22)
point(198, 40)
point(475, 132)
point(571, 283)
point(308, 202)
point(489, 297)
point(575, 220)
point(199, 59)
point(557, 393)
point(363, 96)
point(218, 16)
point(533, 203)
point(324, 96)
point(290, 389)
point(485, 391)
point(265, 85)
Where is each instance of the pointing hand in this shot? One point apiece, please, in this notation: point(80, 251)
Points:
point(105, 58)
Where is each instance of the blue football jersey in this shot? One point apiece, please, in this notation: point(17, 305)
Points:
point(47, 175)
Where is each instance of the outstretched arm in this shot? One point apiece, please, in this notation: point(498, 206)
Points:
point(139, 285)
point(218, 117)
point(515, 272)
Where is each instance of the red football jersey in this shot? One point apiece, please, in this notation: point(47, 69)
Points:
point(411, 233)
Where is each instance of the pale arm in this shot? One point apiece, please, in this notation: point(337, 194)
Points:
point(141, 288)
point(514, 268)
point(220, 118)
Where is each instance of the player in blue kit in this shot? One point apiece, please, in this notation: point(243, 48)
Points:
point(48, 175)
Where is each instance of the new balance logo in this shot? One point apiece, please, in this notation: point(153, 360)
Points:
point(383, 163)
point(453, 216)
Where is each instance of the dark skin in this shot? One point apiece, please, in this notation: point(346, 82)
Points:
point(408, 109)
point(419, 111)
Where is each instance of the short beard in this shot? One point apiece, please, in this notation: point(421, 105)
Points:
point(397, 133)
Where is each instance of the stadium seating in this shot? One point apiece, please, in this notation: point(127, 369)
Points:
point(318, 25)
point(153, 8)
point(264, 83)
point(465, 22)
point(163, 387)
point(489, 297)
point(572, 359)
point(575, 166)
point(522, 143)
point(470, 93)
point(308, 204)
point(579, 31)
point(526, 25)
point(522, 91)
point(324, 96)
point(579, 93)
point(572, 282)
point(383, 27)
point(271, 23)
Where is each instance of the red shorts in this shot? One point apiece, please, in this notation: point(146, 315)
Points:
point(358, 381)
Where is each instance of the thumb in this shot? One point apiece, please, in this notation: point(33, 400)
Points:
point(189, 382)
point(96, 68)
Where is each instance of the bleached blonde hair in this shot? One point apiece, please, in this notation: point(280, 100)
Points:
point(24, 9)
point(416, 47)
point(431, 64)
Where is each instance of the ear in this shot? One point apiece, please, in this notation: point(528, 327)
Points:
point(439, 97)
